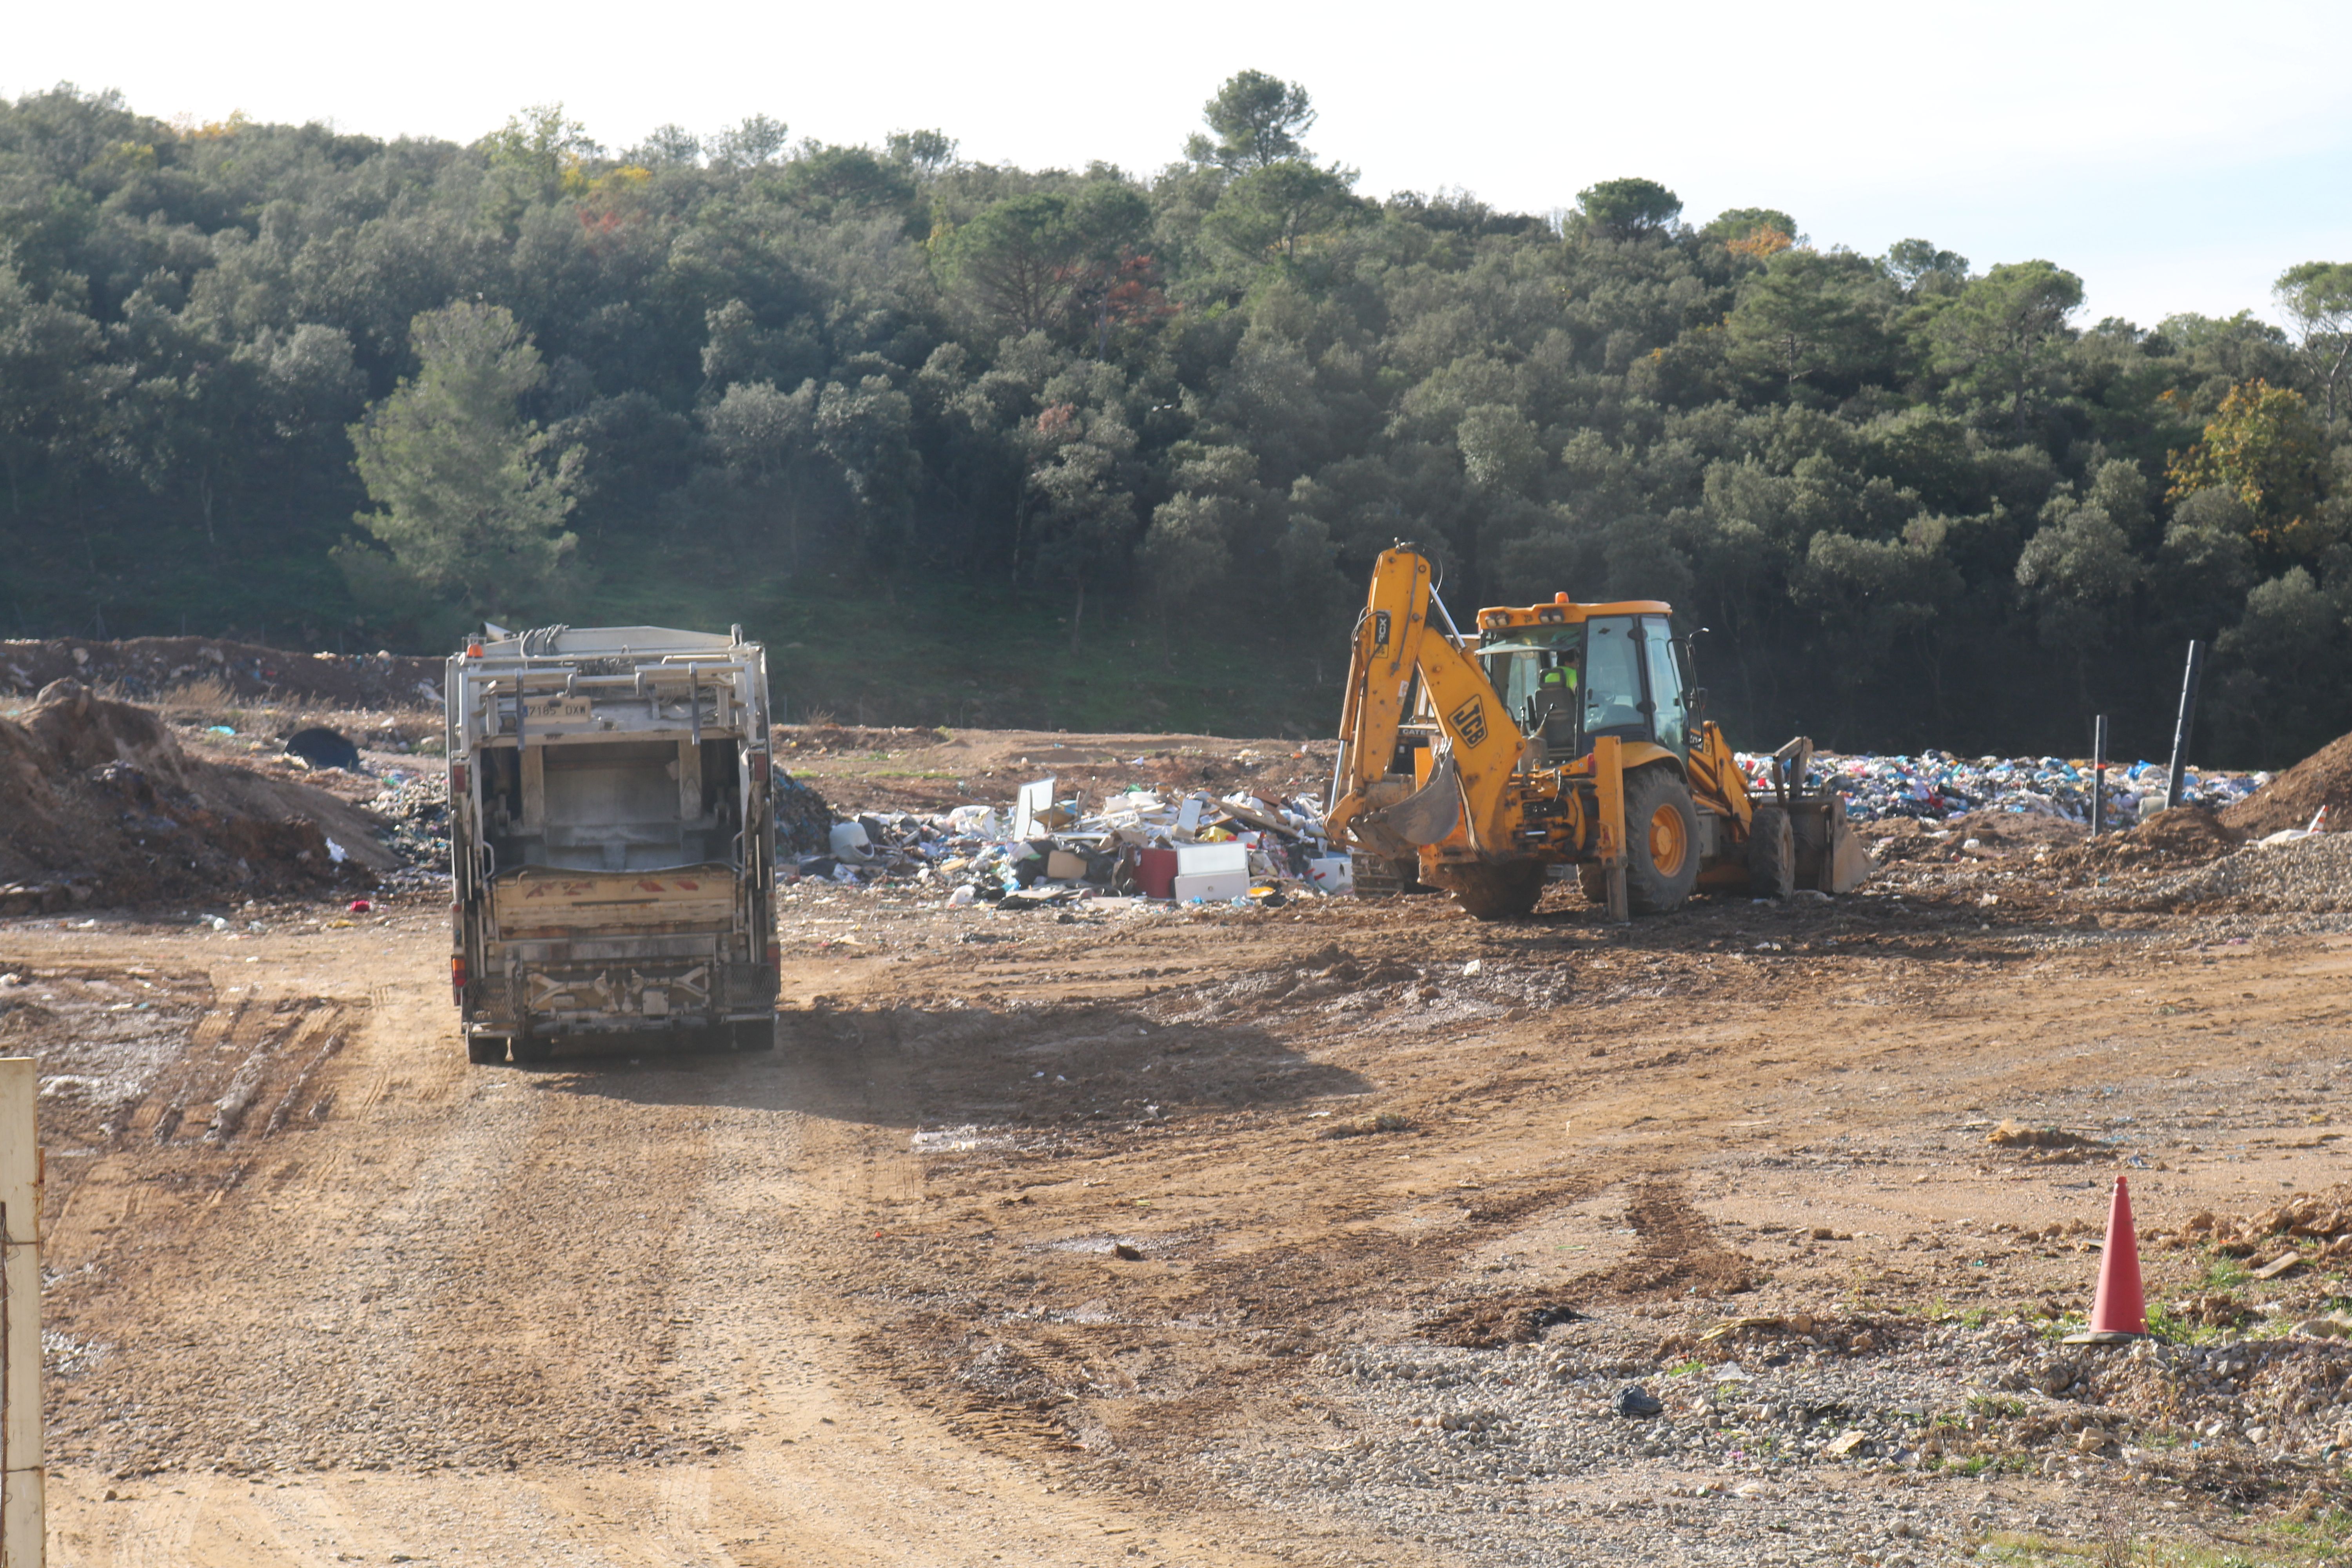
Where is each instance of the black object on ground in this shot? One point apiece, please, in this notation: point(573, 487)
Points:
point(323, 748)
point(1637, 1401)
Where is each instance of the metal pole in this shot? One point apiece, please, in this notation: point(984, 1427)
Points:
point(2098, 775)
point(2182, 726)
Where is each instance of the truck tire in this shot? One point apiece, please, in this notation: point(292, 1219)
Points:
point(486, 1050)
point(1593, 883)
point(530, 1049)
point(754, 1034)
point(1660, 842)
point(1771, 854)
point(1496, 892)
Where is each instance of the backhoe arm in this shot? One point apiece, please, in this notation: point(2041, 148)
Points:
point(1394, 641)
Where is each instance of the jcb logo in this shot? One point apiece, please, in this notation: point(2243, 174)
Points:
point(1469, 721)
point(1380, 631)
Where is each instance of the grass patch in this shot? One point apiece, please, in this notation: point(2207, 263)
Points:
point(2225, 1273)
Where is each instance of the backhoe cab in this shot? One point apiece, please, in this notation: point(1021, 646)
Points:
point(1561, 734)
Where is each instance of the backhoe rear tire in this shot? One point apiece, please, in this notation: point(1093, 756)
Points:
point(1496, 892)
point(1662, 842)
point(1771, 854)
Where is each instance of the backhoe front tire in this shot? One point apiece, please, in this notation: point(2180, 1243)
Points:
point(1593, 883)
point(1771, 854)
point(1495, 892)
point(1662, 842)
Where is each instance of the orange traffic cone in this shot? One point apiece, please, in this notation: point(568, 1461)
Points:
point(2120, 1314)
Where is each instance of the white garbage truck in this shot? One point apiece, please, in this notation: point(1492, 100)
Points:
point(612, 841)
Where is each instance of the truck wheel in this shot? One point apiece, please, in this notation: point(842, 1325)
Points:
point(1496, 892)
point(1771, 854)
point(1593, 883)
point(754, 1034)
point(1662, 842)
point(485, 1050)
point(530, 1050)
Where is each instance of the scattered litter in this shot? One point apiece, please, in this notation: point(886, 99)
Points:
point(1244, 851)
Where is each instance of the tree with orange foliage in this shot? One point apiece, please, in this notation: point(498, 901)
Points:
point(2263, 446)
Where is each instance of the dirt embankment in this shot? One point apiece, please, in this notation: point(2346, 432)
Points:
point(149, 667)
point(2296, 795)
point(99, 803)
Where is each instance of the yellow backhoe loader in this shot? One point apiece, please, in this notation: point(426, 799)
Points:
point(1562, 735)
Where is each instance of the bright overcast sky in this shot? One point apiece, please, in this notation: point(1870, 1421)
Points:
point(2177, 156)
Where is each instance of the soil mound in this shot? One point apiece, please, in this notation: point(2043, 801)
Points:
point(2185, 833)
point(98, 804)
point(2295, 797)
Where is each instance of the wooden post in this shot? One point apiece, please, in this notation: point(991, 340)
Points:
point(22, 1532)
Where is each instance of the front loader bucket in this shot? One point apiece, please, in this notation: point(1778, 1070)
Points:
point(1428, 815)
point(1830, 858)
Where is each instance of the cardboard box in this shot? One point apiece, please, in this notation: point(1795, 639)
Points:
point(1062, 865)
point(1217, 887)
point(1211, 859)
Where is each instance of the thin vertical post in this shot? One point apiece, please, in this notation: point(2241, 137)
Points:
point(2183, 725)
point(22, 1532)
point(2098, 775)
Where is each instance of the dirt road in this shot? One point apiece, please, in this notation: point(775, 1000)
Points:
point(1144, 1238)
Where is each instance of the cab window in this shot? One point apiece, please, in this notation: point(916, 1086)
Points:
point(1613, 697)
point(1665, 682)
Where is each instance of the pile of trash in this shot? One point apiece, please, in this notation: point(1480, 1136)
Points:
point(1934, 785)
point(415, 807)
point(1189, 847)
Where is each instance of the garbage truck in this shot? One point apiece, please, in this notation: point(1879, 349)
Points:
point(1561, 738)
point(612, 841)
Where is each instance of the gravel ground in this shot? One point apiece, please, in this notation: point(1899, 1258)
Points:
point(1875, 1444)
point(2305, 875)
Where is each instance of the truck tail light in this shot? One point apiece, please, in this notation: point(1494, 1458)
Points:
point(456, 778)
point(457, 977)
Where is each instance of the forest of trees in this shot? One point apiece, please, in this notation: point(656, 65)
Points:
point(332, 391)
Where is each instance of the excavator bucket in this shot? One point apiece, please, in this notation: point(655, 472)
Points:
point(1428, 815)
point(1829, 856)
point(1848, 863)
